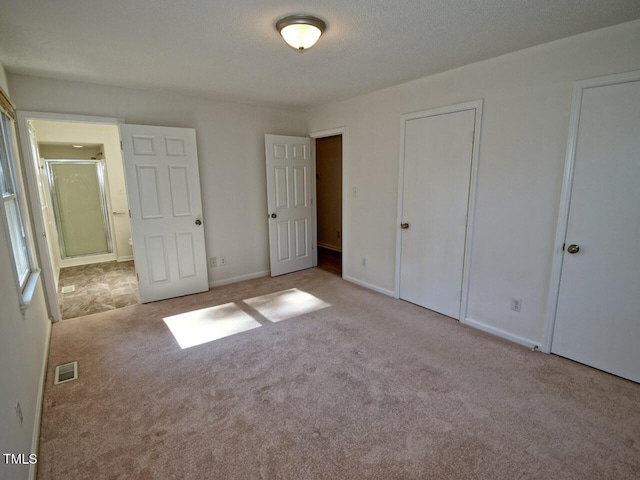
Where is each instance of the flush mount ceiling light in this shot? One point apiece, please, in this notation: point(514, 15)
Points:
point(301, 31)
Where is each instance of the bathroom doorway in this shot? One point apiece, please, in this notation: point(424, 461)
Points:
point(85, 212)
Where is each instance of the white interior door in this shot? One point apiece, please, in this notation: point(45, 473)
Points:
point(163, 186)
point(289, 202)
point(597, 316)
point(436, 177)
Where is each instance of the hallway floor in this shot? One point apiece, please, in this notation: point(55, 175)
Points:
point(97, 288)
point(330, 260)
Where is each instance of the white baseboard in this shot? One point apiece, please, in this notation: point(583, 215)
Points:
point(370, 286)
point(501, 333)
point(35, 440)
point(240, 278)
point(124, 258)
point(329, 247)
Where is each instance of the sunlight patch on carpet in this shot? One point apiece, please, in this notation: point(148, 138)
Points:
point(279, 306)
point(209, 324)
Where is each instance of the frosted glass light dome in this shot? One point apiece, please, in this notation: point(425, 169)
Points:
point(300, 31)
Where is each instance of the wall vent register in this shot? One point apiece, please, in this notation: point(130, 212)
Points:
point(66, 372)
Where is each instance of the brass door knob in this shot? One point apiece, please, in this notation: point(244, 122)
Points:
point(404, 226)
point(274, 215)
point(198, 222)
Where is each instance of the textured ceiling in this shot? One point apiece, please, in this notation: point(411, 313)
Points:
point(230, 49)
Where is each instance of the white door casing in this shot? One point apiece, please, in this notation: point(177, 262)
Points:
point(163, 186)
point(289, 202)
point(596, 311)
point(437, 167)
point(44, 241)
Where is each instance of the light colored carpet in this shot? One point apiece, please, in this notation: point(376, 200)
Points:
point(366, 388)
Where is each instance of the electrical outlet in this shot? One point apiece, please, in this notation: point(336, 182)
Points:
point(223, 261)
point(516, 304)
point(364, 261)
point(19, 412)
point(213, 262)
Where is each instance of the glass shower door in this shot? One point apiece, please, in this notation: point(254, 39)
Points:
point(78, 191)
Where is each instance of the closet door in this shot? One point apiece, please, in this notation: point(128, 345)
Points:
point(597, 320)
point(435, 197)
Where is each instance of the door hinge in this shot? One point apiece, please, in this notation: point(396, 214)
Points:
point(121, 145)
point(138, 277)
point(129, 213)
point(473, 137)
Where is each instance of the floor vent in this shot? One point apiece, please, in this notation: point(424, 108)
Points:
point(66, 372)
point(69, 289)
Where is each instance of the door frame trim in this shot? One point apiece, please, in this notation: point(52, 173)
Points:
point(565, 197)
point(344, 234)
point(33, 194)
point(471, 207)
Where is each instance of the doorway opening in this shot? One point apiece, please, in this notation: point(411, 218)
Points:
point(329, 203)
point(84, 213)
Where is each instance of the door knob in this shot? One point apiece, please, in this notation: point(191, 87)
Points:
point(404, 226)
point(573, 248)
point(274, 215)
point(198, 222)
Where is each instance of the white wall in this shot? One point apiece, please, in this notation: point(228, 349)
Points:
point(527, 100)
point(23, 349)
point(4, 83)
point(109, 136)
point(230, 148)
point(68, 152)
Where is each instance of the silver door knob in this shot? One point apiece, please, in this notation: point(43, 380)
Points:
point(573, 248)
point(404, 226)
point(198, 222)
point(274, 215)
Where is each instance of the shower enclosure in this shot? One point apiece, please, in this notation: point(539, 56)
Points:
point(80, 207)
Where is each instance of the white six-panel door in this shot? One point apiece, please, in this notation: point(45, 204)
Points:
point(289, 200)
point(163, 186)
point(435, 187)
point(598, 311)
